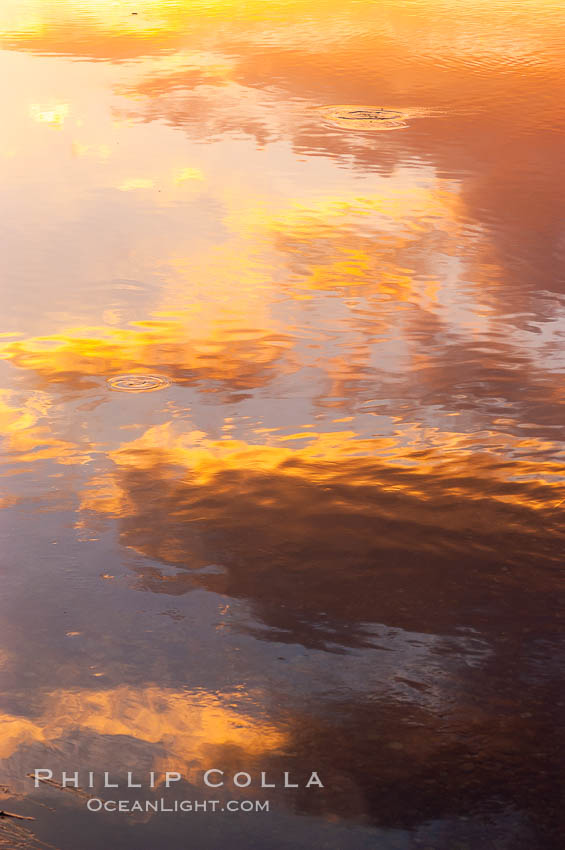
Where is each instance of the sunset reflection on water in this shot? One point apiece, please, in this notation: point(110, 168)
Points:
point(331, 539)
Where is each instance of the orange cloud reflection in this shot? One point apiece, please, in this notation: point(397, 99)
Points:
point(235, 359)
point(336, 523)
point(27, 436)
point(184, 729)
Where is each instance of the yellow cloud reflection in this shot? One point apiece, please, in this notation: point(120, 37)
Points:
point(427, 465)
point(185, 174)
point(187, 347)
point(309, 522)
point(136, 183)
point(358, 240)
point(292, 22)
point(189, 727)
point(26, 435)
point(54, 115)
point(100, 152)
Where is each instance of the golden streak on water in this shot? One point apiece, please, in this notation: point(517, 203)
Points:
point(138, 383)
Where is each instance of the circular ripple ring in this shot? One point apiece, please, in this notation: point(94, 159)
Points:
point(138, 383)
point(365, 117)
point(368, 115)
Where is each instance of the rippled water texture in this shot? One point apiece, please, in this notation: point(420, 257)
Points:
point(333, 540)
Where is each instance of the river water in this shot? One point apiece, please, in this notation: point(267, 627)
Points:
point(324, 533)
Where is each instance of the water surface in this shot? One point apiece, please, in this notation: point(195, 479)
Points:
point(331, 539)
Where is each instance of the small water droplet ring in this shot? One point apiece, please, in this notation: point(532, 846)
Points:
point(137, 383)
point(368, 115)
point(365, 117)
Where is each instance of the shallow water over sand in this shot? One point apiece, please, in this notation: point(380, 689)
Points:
point(333, 540)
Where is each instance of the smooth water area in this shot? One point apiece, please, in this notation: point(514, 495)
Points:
point(282, 407)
